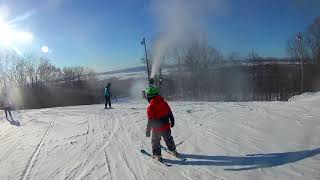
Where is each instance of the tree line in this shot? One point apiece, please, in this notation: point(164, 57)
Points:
point(201, 72)
point(35, 82)
point(36, 72)
point(309, 48)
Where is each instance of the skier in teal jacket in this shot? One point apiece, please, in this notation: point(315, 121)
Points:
point(107, 96)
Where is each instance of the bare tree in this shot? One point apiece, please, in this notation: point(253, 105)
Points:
point(90, 74)
point(177, 57)
point(68, 74)
point(7, 59)
point(215, 56)
point(254, 56)
point(233, 56)
point(296, 49)
point(47, 72)
point(293, 49)
point(313, 39)
point(31, 71)
point(197, 59)
point(20, 72)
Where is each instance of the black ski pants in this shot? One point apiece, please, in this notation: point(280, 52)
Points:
point(108, 101)
point(156, 138)
point(7, 110)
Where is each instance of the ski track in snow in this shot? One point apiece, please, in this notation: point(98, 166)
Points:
point(32, 160)
point(218, 139)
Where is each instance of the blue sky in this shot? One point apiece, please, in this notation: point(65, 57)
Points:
point(106, 34)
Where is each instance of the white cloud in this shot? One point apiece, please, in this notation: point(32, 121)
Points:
point(22, 17)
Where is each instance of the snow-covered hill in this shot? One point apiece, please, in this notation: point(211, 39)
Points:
point(254, 140)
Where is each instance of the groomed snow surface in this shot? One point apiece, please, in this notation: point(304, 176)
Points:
point(245, 140)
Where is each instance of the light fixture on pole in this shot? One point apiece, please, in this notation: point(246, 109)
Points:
point(143, 42)
point(299, 39)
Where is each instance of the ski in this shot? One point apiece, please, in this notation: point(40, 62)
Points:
point(162, 162)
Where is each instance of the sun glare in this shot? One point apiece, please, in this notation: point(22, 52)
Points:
point(10, 36)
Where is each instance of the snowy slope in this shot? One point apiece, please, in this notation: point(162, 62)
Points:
point(254, 140)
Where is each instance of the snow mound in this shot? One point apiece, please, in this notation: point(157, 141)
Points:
point(309, 96)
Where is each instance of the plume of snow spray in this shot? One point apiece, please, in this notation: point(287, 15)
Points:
point(175, 21)
point(135, 89)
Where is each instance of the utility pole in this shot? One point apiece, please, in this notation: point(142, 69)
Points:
point(299, 38)
point(143, 42)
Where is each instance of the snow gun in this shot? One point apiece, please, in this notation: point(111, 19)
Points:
point(151, 82)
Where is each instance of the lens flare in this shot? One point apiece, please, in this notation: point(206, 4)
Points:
point(45, 49)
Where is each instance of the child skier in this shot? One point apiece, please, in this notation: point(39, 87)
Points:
point(159, 115)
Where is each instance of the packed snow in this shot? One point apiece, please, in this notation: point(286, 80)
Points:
point(240, 140)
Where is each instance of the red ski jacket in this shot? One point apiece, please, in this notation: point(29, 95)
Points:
point(159, 114)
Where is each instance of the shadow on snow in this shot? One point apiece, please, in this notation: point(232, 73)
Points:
point(13, 122)
point(248, 162)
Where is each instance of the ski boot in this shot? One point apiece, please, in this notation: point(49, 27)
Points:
point(177, 155)
point(157, 157)
point(174, 153)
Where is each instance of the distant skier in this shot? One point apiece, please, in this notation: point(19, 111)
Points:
point(107, 96)
point(7, 105)
point(159, 115)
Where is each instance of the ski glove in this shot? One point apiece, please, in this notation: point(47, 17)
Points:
point(148, 130)
point(171, 120)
